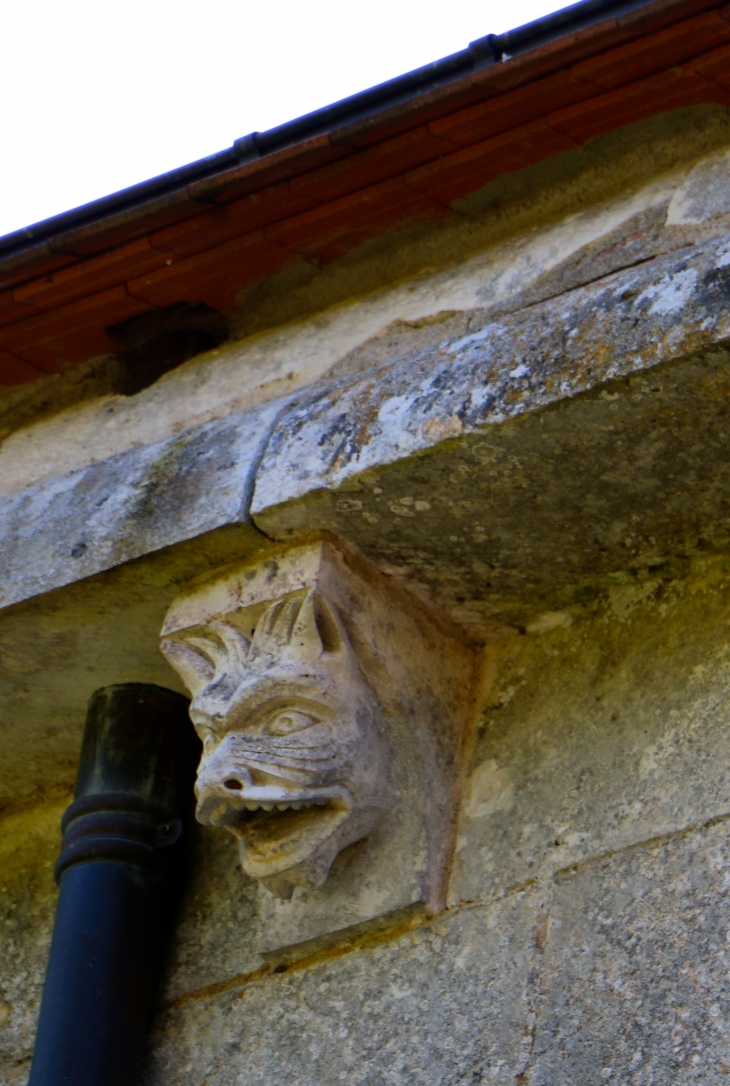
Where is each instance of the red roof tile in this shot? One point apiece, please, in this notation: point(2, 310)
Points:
point(320, 198)
point(110, 269)
point(121, 227)
point(661, 13)
point(457, 175)
point(714, 66)
point(227, 221)
point(655, 52)
point(14, 371)
point(386, 159)
point(258, 174)
point(330, 231)
point(32, 263)
point(11, 311)
point(215, 276)
point(508, 111)
point(661, 93)
point(55, 341)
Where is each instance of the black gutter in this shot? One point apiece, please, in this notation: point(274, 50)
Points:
point(481, 53)
point(120, 873)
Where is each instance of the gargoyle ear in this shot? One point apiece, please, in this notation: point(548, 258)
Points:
point(304, 627)
point(235, 642)
point(194, 667)
point(318, 619)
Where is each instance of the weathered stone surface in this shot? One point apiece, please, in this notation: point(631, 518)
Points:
point(587, 505)
point(140, 501)
point(449, 1003)
point(601, 734)
point(215, 932)
point(704, 194)
point(28, 847)
point(544, 512)
point(616, 970)
point(635, 986)
point(363, 434)
point(626, 323)
point(55, 653)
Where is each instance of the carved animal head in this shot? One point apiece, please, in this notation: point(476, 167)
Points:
point(296, 762)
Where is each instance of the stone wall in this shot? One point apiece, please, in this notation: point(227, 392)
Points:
point(587, 932)
point(579, 535)
point(586, 936)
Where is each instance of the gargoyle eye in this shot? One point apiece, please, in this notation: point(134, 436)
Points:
point(289, 721)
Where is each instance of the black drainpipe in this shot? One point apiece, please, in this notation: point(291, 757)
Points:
point(120, 872)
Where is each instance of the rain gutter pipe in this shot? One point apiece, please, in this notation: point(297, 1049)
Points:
point(482, 53)
point(120, 871)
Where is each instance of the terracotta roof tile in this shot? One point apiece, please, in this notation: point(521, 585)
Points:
point(403, 116)
point(11, 311)
point(258, 174)
point(714, 66)
point(386, 159)
point(227, 221)
point(661, 93)
point(121, 227)
point(55, 341)
point(513, 109)
point(320, 197)
point(459, 174)
point(31, 263)
point(215, 276)
point(655, 52)
point(109, 269)
point(661, 13)
point(332, 230)
point(14, 371)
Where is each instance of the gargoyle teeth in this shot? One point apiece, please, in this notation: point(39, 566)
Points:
point(284, 805)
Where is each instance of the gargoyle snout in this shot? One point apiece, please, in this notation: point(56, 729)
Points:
point(219, 789)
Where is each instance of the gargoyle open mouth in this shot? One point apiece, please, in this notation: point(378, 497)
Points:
point(277, 831)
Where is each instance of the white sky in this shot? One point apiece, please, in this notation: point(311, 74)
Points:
point(96, 95)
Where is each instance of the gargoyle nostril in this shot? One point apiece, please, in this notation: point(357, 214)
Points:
point(233, 784)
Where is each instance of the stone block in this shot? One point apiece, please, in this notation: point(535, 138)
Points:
point(600, 735)
point(704, 194)
point(60, 647)
point(635, 976)
point(443, 1005)
point(543, 506)
point(139, 501)
point(626, 323)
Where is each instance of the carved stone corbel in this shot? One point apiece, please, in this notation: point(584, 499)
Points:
point(331, 705)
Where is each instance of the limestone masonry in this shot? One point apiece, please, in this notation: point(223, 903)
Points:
point(437, 540)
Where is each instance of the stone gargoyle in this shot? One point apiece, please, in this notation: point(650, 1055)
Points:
point(296, 758)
